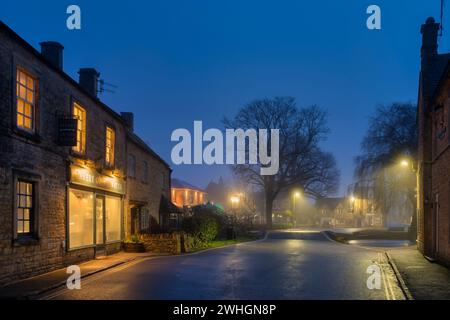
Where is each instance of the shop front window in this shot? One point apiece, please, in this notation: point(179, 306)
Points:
point(113, 218)
point(81, 218)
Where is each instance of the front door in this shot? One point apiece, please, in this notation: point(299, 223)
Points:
point(100, 248)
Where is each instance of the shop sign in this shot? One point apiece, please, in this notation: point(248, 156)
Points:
point(91, 178)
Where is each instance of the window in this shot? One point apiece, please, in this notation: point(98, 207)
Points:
point(109, 149)
point(131, 166)
point(112, 218)
point(25, 208)
point(80, 114)
point(144, 171)
point(26, 100)
point(81, 218)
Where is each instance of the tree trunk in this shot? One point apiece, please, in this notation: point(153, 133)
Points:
point(269, 205)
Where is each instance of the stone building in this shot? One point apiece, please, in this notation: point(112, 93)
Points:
point(185, 194)
point(148, 186)
point(63, 163)
point(433, 168)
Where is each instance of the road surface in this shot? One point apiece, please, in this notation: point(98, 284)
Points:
point(286, 265)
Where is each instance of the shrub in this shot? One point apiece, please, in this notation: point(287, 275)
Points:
point(203, 227)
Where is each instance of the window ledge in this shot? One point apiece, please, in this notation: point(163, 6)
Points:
point(25, 241)
point(27, 134)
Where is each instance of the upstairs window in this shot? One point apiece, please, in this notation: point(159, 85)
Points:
point(25, 208)
point(80, 114)
point(109, 146)
point(26, 100)
point(144, 171)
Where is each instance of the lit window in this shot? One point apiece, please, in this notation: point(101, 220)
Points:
point(24, 208)
point(26, 100)
point(81, 218)
point(80, 114)
point(131, 166)
point(109, 150)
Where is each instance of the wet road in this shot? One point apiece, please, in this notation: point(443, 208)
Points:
point(286, 265)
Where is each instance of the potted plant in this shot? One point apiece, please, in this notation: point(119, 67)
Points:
point(133, 244)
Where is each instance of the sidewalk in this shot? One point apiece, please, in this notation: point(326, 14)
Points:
point(424, 279)
point(34, 286)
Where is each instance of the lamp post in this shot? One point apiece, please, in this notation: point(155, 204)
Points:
point(295, 196)
point(405, 163)
point(234, 202)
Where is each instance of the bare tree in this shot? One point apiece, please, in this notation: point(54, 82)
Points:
point(391, 135)
point(302, 163)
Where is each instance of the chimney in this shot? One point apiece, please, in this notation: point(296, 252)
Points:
point(128, 118)
point(89, 80)
point(429, 32)
point(53, 53)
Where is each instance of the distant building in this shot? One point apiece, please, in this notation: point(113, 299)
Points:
point(433, 168)
point(185, 194)
point(361, 196)
point(334, 212)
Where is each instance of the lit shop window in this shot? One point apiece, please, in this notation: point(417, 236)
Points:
point(26, 100)
point(81, 218)
point(80, 114)
point(109, 150)
point(25, 208)
point(113, 218)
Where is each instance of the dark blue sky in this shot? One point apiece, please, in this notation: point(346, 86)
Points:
point(179, 61)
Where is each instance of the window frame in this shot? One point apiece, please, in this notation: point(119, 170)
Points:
point(112, 150)
point(31, 237)
point(35, 106)
point(77, 104)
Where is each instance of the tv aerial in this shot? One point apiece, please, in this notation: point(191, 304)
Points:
point(106, 87)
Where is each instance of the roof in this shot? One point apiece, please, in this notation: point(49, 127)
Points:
point(432, 73)
point(444, 77)
point(180, 184)
point(330, 203)
point(64, 75)
point(144, 146)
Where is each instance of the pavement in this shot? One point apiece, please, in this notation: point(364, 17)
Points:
point(284, 265)
point(35, 286)
point(424, 279)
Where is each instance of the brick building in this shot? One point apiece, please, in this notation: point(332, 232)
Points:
point(433, 169)
point(63, 164)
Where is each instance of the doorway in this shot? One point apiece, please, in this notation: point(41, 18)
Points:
point(100, 247)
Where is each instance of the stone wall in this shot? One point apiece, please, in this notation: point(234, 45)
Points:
point(163, 243)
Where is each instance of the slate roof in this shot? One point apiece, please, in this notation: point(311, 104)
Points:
point(139, 142)
point(432, 73)
point(181, 184)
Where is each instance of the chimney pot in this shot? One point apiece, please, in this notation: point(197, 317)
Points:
point(89, 80)
point(53, 53)
point(128, 118)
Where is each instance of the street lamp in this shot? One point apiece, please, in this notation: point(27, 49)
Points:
point(404, 163)
point(234, 202)
point(295, 195)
